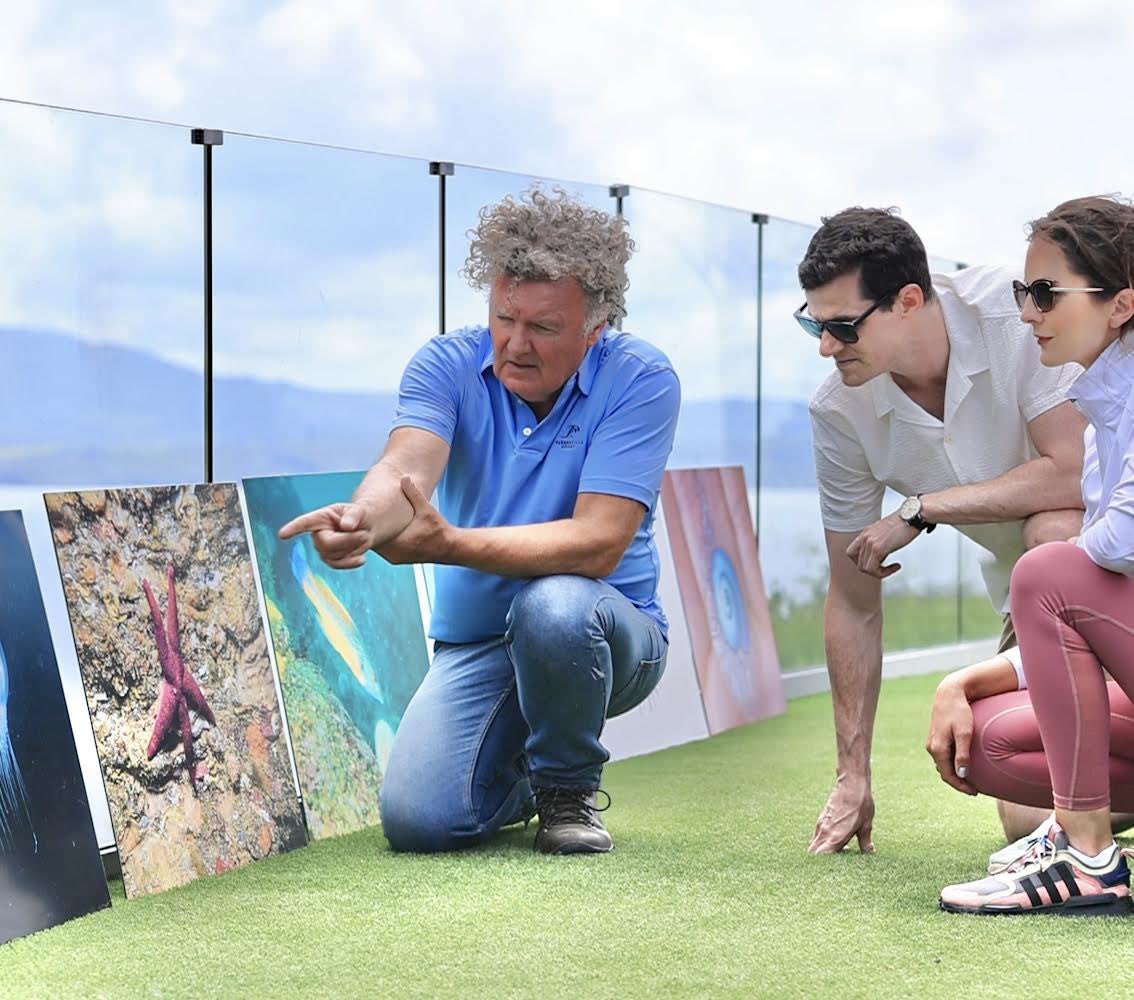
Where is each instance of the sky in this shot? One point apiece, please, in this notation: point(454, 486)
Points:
point(972, 118)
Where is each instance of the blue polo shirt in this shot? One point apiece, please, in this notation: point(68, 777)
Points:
point(610, 431)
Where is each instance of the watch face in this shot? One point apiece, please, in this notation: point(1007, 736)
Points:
point(910, 508)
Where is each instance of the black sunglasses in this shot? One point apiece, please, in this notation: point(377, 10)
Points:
point(843, 330)
point(1043, 292)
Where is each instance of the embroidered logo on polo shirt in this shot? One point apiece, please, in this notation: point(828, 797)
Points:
point(570, 438)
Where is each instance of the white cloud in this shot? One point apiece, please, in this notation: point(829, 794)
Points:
point(973, 118)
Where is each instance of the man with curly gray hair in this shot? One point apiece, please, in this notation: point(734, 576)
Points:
point(545, 435)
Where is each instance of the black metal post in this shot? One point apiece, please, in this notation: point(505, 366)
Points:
point(619, 192)
point(761, 220)
point(441, 169)
point(207, 138)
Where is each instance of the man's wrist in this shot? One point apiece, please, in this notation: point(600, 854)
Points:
point(913, 512)
point(450, 545)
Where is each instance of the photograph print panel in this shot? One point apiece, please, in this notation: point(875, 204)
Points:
point(722, 594)
point(168, 630)
point(50, 868)
point(350, 649)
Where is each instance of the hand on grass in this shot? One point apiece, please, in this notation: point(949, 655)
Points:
point(849, 813)
point(951, 734)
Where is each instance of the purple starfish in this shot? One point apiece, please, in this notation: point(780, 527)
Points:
point(180, 690)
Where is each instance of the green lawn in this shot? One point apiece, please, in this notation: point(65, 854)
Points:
point(709, 892)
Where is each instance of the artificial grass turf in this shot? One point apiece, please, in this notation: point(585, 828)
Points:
point(709, 892)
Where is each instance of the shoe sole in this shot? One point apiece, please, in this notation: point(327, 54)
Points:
point(1098, 906)
point(579, 849)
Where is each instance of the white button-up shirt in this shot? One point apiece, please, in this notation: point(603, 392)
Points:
point(873, 436)
point(1103, 393)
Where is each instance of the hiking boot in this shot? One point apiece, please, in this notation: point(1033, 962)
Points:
point(569, 821)
point(1052, 877)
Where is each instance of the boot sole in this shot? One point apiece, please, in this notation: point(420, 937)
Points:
point(582, 849)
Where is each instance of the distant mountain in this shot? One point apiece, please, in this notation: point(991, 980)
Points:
point(72, 412)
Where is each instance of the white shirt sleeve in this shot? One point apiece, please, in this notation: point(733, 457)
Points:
point(1092, 476)
point(1017, 661)
point(850, 498)
point(1041, 388)
point(1109, 540)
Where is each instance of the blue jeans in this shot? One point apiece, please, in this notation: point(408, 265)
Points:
point(492, 719)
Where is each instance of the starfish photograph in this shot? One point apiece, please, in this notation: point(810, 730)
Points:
point(180, 692)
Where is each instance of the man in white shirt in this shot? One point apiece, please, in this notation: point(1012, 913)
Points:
point(939, 395)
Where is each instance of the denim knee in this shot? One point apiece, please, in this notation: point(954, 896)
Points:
point(415, 823)
point(553, 610)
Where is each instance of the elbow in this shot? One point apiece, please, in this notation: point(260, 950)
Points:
point(604, 561)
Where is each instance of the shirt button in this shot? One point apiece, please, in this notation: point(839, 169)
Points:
point(527, 432)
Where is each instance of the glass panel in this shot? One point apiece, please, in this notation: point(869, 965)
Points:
point(325, 275)
point(466, 192)
point(100, 332)
point(693, 293)
point(979, 619)
point(792, 552)
point(100, 300)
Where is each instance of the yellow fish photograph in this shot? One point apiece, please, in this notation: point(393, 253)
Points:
point(350, 649)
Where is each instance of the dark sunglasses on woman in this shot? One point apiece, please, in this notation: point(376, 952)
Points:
point(1043, 292)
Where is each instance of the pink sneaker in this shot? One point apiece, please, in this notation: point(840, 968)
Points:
point(1051, 877)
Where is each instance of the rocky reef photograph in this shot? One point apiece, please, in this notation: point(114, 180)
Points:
point(168, 630)
point(350, 648)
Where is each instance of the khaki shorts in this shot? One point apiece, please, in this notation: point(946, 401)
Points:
point(1007, 636)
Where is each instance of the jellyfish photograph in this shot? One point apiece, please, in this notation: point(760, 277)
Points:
point(350, 649)
point(50, 867)
point(722, 595)
point(14, 816)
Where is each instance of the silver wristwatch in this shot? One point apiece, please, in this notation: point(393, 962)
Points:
point(910, 512)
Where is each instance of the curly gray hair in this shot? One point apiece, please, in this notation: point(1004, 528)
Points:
point(545, 237)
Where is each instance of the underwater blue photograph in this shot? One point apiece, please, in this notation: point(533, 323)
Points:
point(350, 649)
point(50, 868)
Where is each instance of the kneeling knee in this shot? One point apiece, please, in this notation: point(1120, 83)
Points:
point(415, 824)
point(552, 607)
point(1038, 570)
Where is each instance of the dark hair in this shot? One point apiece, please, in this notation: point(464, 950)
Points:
point(876, 242)
point(1096, 235)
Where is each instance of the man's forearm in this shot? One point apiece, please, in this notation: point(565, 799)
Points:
point(565, 546)
point(854, 663)
point(1025, 490)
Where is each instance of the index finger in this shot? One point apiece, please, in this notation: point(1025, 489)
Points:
point(305, 522)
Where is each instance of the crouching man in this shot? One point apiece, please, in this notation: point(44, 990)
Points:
point(545, 435)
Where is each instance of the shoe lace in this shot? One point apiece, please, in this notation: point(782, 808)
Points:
point(1043, 849)
point(569, 805)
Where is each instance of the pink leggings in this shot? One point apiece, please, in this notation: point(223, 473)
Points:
point(1069, 738)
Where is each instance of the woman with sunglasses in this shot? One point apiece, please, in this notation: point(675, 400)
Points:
point(1045, 726)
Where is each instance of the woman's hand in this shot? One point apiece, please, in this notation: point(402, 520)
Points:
point(951, 734)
